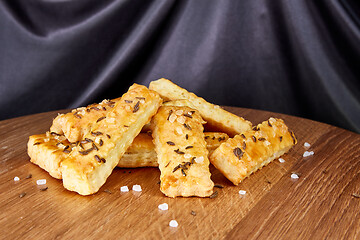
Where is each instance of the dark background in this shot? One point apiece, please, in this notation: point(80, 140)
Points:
point(292, 56)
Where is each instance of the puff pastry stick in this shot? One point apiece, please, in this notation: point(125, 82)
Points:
point(86, 170)
point(77, 123)
point(48, 151)
point(217, 118)
point(242, 155)
point(182, 154)
point(141, 152)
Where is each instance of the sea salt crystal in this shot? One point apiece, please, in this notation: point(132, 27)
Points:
point(294, 176)
point(173, 223)
point(179, 112)
point(136, 188)
point(179, 130)
point(281, 160)
point(199, 159)
point(306, 144)
point(181, 119)
point(163, 206)
point(16, 179)
point(124, 189)
point(242, 192)
point(187, 155)
point(41, 181)
point(172, 118)
point(307, 153)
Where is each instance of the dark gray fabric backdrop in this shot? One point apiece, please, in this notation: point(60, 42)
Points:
point(292, 56)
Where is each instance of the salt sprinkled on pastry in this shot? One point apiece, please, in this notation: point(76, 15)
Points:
point(179, 112)
point(307, 153)
point(136, 188)
point(16, 179)
point(179, 130)
point(124, 189)
point(172, 118)
point(307, 145)
point(187, 155)
point(163, 206)
point(242, 192)
point(173, 223)
point(199, 159)
point(281, 160)
point(181, 119)
point(294, 176)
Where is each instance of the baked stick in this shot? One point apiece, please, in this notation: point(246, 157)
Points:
point(77, 123)
point(217, 119)
point(244, 154)
point(182, 154)
point(88, 166)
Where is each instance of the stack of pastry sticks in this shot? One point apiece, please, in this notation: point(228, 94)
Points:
point(160, 126)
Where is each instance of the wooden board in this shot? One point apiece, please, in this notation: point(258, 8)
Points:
point(320, 204)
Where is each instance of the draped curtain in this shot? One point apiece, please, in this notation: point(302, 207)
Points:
point(290, 56)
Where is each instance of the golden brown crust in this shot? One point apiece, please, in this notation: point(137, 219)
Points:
point(77, 123)
point(47, 151)
point(242, 155)
point(182, 154)
point(86, 170)
point(217, 118)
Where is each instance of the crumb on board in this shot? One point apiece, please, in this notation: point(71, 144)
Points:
point(173, 223)
point(136, 188)
point(163, 206)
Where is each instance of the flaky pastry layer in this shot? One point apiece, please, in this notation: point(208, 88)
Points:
point(88, 166)
point(217, 119)
point(77, 123)
point(182, 154)
point(242, 155)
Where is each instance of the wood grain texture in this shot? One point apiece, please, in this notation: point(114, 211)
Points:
point(319, 205)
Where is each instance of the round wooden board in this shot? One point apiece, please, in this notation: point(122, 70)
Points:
point(322, 203)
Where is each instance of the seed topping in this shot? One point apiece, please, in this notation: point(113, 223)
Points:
point(102, 118)
point(238, 153)
point(136, 107)
point(170, 143)
point(187, 126)
point(178, 151)
point(96, 133)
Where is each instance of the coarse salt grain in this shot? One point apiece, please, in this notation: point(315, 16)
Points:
point(124, 189)
point(136, 188)
point(173, 223)
point(307, 153)
point(294, 176)
point(267, 143)
point(172, 118)
point(163, 206)
point(242, 192)
point(181, 120)
point(199, 159)
point(41, 181)
point(281, 160)
point(179, 130)
point(179, 112)
point(187, 155)
point(16, 179)
point(306, 144)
